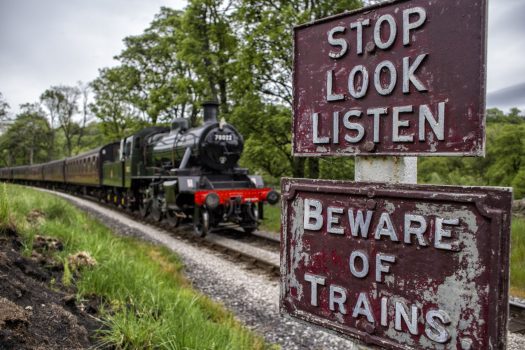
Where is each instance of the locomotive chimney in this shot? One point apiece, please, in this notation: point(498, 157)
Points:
point(211, 110)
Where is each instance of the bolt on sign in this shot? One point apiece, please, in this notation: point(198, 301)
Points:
point(397, 266)
point(404, 78)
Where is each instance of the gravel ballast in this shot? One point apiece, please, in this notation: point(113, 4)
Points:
point(252, 297)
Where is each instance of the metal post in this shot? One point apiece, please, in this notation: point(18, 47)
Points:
point(386, 169)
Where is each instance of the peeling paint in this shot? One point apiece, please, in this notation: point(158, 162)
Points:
point(458, 82)
point(464, 275)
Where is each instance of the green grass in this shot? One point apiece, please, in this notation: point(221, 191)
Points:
point(517, 258)
point(272, 218)
point(149, 303)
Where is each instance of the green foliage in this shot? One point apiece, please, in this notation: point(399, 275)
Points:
point(28, 139)
point(62, 104)
point(337, 168)
point(4, 209)
point(272, 218)
point(504, 164)
point(4, 108)
point(266, 129)
point(517, 258)
point(112, 105)
point(261, 86)
point(149, 303)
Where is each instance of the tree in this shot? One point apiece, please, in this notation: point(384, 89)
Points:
point(27, 141)
point(264, 65)
point(4, 108)
point(160, 86)
point(111, 104)
point(84, 109)
point(62, 104)
point(508, 148)
point(208, 46)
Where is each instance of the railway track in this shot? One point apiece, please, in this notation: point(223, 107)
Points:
point(236, 246)
point(516, 317)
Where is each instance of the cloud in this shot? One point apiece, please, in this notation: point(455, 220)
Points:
point(506, 43)
point(53, 42)
point(507, 98)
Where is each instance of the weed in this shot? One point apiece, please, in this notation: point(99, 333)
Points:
point(67, 278)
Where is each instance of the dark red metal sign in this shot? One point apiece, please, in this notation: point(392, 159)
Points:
point(404, 78)
point(398, 266)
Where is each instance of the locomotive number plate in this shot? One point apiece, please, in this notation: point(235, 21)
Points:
point(223, 137)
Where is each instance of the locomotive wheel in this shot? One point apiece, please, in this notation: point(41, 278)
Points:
point(201, 224)
point(173, 219)
point(156, 213)
point(253, 213)
point(144, 207)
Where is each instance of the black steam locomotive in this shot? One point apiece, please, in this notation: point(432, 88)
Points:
point(174, 173)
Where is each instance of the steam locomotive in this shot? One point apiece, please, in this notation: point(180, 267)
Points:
point(172, 173)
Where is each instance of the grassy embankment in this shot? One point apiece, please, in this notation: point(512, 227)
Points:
point(149, 302)
point(517, 258)
point(272, 222)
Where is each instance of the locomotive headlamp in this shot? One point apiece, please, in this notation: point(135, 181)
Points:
point(272, 197)
point(212, 200)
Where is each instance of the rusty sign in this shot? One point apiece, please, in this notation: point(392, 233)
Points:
point(398, 266)
point(403, 78)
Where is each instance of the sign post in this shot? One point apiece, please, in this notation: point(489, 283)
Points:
point(383, 260)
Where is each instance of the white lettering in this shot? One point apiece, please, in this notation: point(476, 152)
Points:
point(362, 307)
point(314, 282)
point(385, 228)
point(364, 84)
point(315, 129)
point(331, 220)
point(396, 124)
point(359, 224)
point(440, 233)
point(376, 113)
point(384, 311)
point(359, 26)
point(417, 231)
point(409, 74)
point(314, 214)
point(339, 300)
point(408, 26)
point(392, 80)
point(383, 268)
point(411, 321)
point(337, 42)
point(335, 125)
point(434, 330)
point(364, 259)
point(330, 96)
point(353, 126)
point(377, 32)
point(438, 126)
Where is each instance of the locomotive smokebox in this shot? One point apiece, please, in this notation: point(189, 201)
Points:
point(211, 110)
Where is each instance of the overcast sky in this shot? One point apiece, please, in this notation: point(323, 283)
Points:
point(52, 42)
